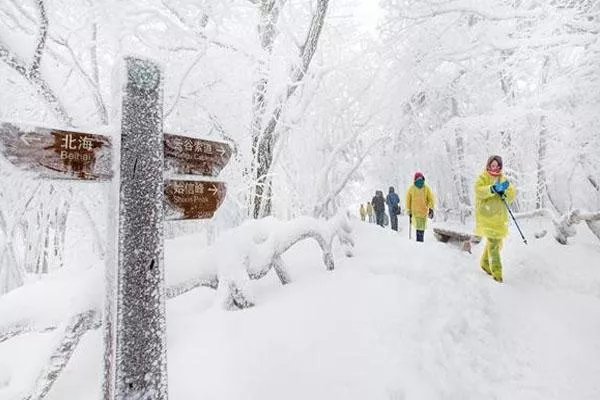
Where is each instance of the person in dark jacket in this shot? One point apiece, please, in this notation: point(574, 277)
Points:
point(393, 202)
point(379, 207)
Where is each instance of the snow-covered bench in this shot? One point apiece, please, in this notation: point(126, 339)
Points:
point(448, 235)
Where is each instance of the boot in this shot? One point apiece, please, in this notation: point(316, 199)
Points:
point(486, 269)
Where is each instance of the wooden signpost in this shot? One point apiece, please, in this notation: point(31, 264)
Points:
point(192, 199)
point(185, 155)
point(134, 320)
point(57, 154)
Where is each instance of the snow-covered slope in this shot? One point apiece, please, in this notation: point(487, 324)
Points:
point(400, 320)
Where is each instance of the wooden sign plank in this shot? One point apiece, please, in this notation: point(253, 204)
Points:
point(57, 154)
point(192, 199)
point(186, 155)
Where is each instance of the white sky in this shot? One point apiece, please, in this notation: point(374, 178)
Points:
point(368, 12)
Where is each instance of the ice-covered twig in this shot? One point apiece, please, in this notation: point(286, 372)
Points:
point(74, 331)
point(173, 291)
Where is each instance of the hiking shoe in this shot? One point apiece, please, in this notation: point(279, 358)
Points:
point(498, 279)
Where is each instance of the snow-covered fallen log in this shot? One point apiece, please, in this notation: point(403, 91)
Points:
point(445, 235)
point(464, 239)
point(252, 250)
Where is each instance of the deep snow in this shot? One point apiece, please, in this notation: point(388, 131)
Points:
point(400, 320)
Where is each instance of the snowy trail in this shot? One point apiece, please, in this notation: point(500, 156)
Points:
point(400, 320)
point(453, 326)
point(403, 320)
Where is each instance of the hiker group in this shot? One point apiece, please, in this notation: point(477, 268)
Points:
point(493, 193)
point(419, 206)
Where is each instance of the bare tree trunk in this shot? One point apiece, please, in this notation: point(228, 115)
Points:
point(269, 138)
point(458, 166)
point(50, 231)
point(541, 166)
point(506, 79)
point(267, 30)
point(594, 183)
point(462, 179)
point(542, 184)
point(12, 275)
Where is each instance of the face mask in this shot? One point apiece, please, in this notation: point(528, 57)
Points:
point(494, 171)
point(420, 183)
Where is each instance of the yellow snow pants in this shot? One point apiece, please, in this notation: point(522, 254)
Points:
point(490, 259)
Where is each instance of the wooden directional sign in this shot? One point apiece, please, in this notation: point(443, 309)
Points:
point(57, 154)
point(192, 199)
point(185, 155)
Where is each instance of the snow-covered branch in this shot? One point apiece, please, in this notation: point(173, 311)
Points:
point(252, 250)
point(321, 208)
point(564, 225)
point(308, 49)
point(199, 56)
point(92, 82)
point(482, 12)
point(73, 332)
point(41, 41)
point(36, 80)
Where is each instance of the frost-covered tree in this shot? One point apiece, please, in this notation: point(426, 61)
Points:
point(514, 78)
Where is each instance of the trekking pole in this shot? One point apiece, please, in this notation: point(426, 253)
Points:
point(409, 229)
point(514, 219)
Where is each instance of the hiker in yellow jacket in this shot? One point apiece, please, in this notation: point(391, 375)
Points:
point(491, 215)
point(419, 204)
point(362, 212)
point(370, 212)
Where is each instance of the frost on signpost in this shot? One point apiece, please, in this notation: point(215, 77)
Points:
point(141, 368)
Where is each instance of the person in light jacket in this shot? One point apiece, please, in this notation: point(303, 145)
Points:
point(419, 204)
point(493, 193)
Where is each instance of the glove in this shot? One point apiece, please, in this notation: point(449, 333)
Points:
point(499, 188)
point(430, 213)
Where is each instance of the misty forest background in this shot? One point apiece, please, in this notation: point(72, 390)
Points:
point(321, 106)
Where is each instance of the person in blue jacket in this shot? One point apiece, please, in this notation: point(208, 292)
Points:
point(393, 202)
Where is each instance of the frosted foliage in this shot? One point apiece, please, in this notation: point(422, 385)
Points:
point(320, 108)
point(250, 251)
point(475, 81)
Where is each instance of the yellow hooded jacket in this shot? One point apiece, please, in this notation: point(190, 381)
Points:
point(491, 216)
point(362, 211)
point(419, 201)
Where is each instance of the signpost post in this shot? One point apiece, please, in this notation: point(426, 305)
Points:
point(141, 362)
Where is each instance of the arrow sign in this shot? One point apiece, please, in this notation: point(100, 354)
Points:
point(186, 155)
point(57, 154)
point(27, 138)
point(192, 199)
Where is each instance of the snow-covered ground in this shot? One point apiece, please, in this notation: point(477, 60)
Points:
point(399, 320)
